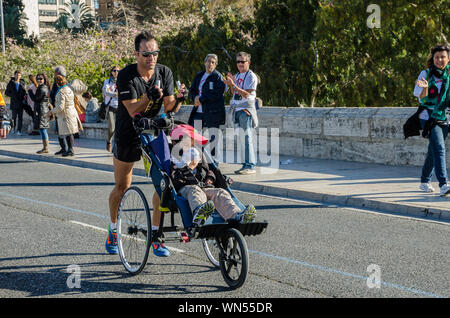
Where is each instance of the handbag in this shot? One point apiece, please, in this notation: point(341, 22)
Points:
point(78, 106)
point(102, 110)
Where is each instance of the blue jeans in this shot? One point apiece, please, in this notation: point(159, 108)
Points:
point(436, 155)
point(43, 132)
point(245, 122)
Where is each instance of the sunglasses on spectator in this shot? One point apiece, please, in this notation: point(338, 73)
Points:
point(241, 62)
point(115, 70)
point(148, 53)
point(39, 79)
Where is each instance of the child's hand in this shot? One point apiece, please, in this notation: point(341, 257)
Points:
point(193, 164)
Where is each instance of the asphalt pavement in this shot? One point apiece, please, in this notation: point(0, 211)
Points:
point(392, 189)
point(54, 219)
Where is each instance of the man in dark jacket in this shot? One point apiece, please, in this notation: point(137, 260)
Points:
point(207, 93)
point(16, 91)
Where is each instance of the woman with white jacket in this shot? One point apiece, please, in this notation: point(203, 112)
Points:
point(66, 114)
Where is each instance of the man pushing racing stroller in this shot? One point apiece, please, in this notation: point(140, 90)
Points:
point(194, 181)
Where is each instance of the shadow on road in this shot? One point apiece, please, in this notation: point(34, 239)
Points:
point(97, 278)
point(64, 184)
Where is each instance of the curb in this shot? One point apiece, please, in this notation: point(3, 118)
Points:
point(435, 214)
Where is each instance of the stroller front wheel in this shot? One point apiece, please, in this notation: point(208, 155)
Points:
point(134, 230)
point(233, 258)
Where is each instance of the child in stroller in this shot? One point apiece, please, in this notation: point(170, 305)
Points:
point(194, 181)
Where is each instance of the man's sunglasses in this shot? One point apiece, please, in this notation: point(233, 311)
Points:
point(115, 71)
point(148, 53)
point(241, 62)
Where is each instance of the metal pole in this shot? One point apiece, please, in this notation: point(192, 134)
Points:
point(3, 27)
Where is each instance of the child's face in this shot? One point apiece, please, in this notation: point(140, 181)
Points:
point(187, 142)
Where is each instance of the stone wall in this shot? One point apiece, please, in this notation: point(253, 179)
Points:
point(373, 135)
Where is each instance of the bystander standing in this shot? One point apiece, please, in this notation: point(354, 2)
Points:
point(242, 109)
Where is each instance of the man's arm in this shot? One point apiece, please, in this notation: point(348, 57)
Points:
point(171, 104)
point(134, 106)
point(236, 90)
point(9, 89)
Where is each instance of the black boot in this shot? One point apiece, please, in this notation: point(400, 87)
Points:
point(69, 151)
point(62, 144)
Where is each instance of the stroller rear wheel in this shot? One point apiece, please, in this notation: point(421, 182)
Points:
point(211, 247)
point(233, 258)
point(134, 230)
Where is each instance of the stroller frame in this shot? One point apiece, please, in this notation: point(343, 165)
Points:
point(223, 241)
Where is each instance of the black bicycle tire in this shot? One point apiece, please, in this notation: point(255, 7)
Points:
point(235, 283)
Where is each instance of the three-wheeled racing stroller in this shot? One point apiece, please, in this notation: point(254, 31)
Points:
point(223, 242)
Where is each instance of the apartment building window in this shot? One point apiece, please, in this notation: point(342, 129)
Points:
point(48, 13)
point(47, 1)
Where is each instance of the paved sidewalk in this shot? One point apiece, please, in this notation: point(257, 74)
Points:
point(362, 185)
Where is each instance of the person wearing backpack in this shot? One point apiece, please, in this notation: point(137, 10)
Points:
point(111, 101)
point(433, 91)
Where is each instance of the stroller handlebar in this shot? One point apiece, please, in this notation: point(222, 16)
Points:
point(141, 123)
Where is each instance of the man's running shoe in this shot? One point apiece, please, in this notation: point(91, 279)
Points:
point(248, 215)
point(111, 241)
point(203, 212)
point(158, 246)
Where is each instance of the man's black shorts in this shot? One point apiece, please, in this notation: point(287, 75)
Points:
point(127, 153)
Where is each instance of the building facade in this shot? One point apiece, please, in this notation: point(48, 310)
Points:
point(105, 10)
point(31, 11)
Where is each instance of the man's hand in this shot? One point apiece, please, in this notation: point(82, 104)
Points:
point(229, 80)
point(182, 93)
point(197, 101)
point(154, 93)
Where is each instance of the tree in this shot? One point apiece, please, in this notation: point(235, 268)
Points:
point(14, 19)
point(283, 54)
point(363, 66)
point(75, 16)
